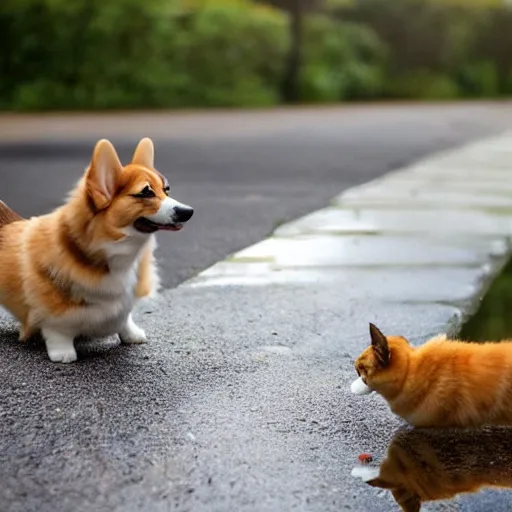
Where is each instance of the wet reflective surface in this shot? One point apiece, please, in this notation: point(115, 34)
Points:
point(423, 465)
point(493, 320)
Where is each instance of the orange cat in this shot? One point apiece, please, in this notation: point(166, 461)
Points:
point(443, 383)
point(433, 464)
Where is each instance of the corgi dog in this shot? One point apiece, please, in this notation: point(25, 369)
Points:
point(80, 269)
point(442, 383)
point(424, 465)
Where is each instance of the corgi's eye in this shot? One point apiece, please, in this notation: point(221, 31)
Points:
point(145, 193)
point(167, 189)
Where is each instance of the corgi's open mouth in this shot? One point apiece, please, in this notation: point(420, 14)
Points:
point(148, 226)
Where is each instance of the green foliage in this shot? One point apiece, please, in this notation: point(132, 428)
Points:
point(98, 54)
point(341, 61)
point(479, 79)
point(492, 321)
point(230, 54)
point(127, 53)
point(422, 84)
point(83, 54)
point(441, 49)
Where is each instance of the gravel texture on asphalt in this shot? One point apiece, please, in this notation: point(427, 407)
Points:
point(240, 401)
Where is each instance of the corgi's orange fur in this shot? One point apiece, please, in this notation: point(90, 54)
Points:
point(442, 383)
point(80, 269)
point(430, 464)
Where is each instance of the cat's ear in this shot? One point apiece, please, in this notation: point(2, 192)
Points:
point(381, 483)
point(380, 346)
point(407, 499)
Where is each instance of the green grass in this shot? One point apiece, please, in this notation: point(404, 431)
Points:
point(493, 320)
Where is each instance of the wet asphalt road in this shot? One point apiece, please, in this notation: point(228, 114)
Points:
point(243, 172)
point(203, 418)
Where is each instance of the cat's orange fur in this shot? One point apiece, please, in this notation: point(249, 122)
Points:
point(442, 383)
point(430, 464)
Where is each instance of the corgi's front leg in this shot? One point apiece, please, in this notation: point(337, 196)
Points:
point(131, 333)
point(59, 345)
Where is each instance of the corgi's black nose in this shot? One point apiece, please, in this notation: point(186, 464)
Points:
point(182, 213)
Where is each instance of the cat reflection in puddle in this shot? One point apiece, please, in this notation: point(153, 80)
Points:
point(434, 464)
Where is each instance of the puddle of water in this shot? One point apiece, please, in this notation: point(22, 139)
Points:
point(423, 465)
point(469, 469)
point(493, 320)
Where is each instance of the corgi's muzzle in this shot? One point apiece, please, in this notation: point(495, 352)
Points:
point(170, 217)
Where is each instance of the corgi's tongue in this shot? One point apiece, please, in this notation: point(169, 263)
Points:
point(148, 226)
point(358, 387)
point(170, 227)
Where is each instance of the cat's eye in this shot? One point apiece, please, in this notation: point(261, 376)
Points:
point(145, 193)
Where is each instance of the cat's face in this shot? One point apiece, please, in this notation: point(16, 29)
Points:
point(380, 366)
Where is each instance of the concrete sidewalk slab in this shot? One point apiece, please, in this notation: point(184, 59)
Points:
point(241, 399)
point(476, 177)
point(345, 221)
point(319, 250)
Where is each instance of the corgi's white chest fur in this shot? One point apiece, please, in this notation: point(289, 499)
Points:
point(108, 305)
point(109, 302)
point(73, 272)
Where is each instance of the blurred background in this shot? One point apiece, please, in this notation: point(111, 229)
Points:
point(123, 54)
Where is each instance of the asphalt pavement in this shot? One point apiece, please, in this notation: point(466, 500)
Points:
point(243, 172)
point(240, 400)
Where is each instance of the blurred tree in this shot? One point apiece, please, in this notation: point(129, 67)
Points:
point(341, 61)
point(493, 44)
point(298, 9)
point(290, 87)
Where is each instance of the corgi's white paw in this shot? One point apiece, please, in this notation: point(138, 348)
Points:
point(132, 333)
point(60, 347)
point(62, 355)
point(134, 337)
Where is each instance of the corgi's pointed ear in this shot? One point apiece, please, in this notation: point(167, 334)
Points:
point(103, 175)
point(144, 153)
point(380, 346)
